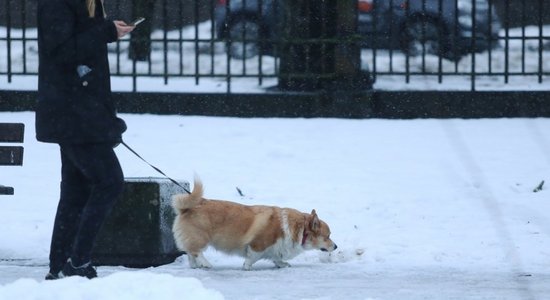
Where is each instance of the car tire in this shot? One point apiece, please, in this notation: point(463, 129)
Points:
point(243, 36)
point(424, 36)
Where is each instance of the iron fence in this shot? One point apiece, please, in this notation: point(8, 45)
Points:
point(221, 45)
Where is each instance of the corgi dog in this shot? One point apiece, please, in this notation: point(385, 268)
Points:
point(253, 232)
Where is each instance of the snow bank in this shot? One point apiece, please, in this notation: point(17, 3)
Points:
point(121, 285)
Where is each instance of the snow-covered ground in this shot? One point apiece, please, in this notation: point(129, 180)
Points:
point(420, 209)
point(183, 60)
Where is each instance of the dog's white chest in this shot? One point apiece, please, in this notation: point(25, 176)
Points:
point(285, 248)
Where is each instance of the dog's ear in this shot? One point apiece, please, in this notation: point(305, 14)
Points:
point(314, 224)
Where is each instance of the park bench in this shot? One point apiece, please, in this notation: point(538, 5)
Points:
point(11, 155)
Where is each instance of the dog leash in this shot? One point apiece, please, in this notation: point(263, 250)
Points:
point(156, 169)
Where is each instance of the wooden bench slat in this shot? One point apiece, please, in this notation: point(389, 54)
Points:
point(12, 132)
point(11, 155)
point(6, 190)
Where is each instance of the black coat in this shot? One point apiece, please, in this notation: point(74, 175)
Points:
point(70, 108)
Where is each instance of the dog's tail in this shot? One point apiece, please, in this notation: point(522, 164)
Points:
point(183, 202)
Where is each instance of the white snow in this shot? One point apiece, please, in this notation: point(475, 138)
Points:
point(420, 209)
point(121, 285)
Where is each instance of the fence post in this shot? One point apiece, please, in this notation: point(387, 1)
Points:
point(140, 38)
point(320, 46)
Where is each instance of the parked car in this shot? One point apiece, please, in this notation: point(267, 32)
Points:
point(414, 26)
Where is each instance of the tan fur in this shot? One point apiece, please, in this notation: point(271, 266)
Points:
point(254, 232)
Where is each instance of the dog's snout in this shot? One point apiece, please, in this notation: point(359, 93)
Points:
point(331, 249)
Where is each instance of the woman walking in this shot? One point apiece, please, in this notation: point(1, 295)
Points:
point(76, 111)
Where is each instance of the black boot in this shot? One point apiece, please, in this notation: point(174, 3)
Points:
point(86, 270)
point(52, 276)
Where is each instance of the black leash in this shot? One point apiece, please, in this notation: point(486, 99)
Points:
point(156, 169)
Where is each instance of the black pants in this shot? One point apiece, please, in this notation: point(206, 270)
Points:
point(91, 181)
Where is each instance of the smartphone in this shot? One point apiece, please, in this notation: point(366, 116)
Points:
point(136, 21)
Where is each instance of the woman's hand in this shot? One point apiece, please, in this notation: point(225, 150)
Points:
point(122, 28)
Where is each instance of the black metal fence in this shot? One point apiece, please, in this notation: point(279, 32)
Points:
point(235, 46)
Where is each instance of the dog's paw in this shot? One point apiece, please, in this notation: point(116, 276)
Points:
point(204, 265)
point(282, 264)
point(201, 266)
point(199, 262)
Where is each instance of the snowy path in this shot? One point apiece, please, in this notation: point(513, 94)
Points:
point(341, 281)
point(420, 209)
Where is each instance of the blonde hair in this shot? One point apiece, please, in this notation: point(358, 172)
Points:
point(90, 4)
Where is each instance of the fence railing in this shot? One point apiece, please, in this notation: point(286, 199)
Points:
point(233, 46)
